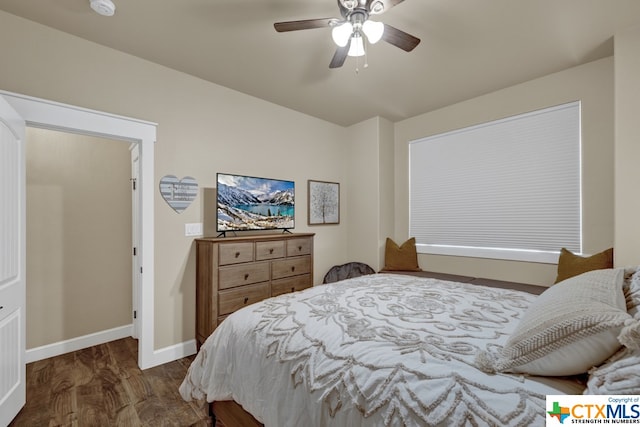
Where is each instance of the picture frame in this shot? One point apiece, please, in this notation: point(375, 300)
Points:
point(323, 206)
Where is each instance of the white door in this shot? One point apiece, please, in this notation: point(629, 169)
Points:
point(12, 263)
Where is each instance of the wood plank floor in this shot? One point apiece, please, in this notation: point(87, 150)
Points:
point(103, 386)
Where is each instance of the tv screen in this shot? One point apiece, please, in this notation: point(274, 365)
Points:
point(252, 203)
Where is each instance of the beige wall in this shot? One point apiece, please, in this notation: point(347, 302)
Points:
point(627, 151)
point(78, 236)
point(203, 129)
point(362, 195)
point(593, 85)
point(370, 191)
point(386, 185)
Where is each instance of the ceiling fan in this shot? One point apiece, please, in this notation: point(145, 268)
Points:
point(349, 32)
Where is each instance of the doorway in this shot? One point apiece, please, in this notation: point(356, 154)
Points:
point(46, 114)
point(78, 241)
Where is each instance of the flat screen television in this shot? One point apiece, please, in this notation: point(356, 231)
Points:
point(253, 203)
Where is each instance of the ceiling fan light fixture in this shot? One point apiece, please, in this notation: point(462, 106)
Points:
point(353, 31)
point(376, 7)
point(349, 4)
point(342, 33)
point(357, 46)
point(103, 7)
point(373, 31)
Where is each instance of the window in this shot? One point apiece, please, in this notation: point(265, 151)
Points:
point(507, 189)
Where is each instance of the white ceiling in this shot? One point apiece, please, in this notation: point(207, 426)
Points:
point(468, 48)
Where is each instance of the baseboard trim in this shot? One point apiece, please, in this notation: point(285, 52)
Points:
point(174, 352)
point(62, 347)
point(160, 357)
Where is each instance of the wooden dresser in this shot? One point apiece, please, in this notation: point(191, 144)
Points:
point(233, 272)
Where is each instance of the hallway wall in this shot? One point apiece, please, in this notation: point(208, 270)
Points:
point(78, 236)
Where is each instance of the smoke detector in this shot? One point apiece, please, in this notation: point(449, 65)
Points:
point(103, 7)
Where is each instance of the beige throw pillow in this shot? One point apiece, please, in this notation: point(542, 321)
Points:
point(401, 258)
point(570, 264)
point(569, 328)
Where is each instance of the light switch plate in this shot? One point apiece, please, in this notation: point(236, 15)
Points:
point(193, 229)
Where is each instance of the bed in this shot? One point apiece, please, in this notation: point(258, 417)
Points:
point(386, 350)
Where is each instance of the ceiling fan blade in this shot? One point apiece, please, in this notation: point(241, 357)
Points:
point(306, 24)
point(399, 38)
point(340, 56)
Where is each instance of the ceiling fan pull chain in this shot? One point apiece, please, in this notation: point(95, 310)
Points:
point(366, 56)
point(366, 60)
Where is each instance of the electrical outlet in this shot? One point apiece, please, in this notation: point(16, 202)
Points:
point(193, 229)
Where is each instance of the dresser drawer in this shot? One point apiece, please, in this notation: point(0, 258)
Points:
point(290, 267)
point(231, 300)
point(235, 253)
point(245, 274)
point(269, 250)
point(290, 284)
point(299, 246)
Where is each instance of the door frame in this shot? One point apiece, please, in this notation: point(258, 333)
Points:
point(135, 240)
point(52, 115)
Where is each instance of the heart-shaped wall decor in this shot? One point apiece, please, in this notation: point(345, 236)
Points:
point(178, 193)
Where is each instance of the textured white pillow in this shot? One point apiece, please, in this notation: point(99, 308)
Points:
point(631, 290)
point(571, 327)
point(620, 374)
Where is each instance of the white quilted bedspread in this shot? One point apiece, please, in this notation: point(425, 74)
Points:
point(378, 350)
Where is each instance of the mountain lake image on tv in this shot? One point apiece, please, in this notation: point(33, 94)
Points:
point(252, 203)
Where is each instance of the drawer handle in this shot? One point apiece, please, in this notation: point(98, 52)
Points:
point(293, 268)
point(271, 251)
point(293, 289)
point(246, 276)
point(299, 248)
point(237, 254)
point(246, 300)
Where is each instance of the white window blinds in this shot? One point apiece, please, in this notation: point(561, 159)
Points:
point(508, 189)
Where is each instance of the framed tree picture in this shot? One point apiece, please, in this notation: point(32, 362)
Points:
point(324, 202)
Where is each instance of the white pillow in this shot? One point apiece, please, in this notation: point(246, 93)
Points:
point(631, 288)
point(620, 374)
point(569, 328)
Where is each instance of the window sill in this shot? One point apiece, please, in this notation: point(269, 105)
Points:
point(544, 257)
